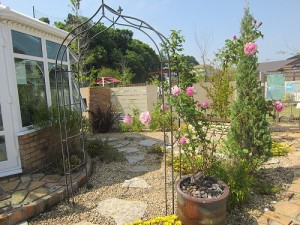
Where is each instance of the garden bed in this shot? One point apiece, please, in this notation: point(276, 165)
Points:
point(107, 180)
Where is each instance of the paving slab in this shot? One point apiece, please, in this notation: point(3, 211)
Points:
point(10, 186)
point(51, 178)
point(135, 183)
point(137, 169)
point(18, 197)
point(132, 159)
point(36, 184)
point(288, 209)
point(128, 149)
point(122, 211)
point(147, 142)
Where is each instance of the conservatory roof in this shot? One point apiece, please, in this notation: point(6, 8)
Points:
point(9, 15)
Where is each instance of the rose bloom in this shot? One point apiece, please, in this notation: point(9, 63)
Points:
point(182, 141)
point(145, 117)
point(203, 104)
point(234, 36)
point(190, 91)
point(279, 107)
point(250, 48)
point(127, 119)
point(163, 107)
point(176, 90)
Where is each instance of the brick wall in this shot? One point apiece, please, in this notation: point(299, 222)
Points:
point(38, 148)
point(32, 150)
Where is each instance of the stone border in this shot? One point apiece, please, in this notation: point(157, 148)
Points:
point(36, 207)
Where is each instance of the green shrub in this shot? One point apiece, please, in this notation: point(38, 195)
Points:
point(103, 151)
point(280, 149)
point(185, 164)
point(238, 176)
point(156, 149)
point(160, 119)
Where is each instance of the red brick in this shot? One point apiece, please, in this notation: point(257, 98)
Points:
point(29, 211)
point(40, 206)
point(17, 216)
point(4, 219)
point(33, 143)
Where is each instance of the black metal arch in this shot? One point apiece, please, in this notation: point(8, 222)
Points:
point(117, 18)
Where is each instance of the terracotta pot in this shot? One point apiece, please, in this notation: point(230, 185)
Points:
point(200, 211)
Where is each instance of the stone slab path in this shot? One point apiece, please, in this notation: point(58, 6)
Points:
point(287, 211)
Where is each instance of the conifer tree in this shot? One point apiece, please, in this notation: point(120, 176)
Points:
point(249, 130)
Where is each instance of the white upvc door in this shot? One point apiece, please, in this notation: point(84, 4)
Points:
point(9, 153)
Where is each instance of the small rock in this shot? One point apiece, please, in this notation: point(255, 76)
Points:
point(266, 209)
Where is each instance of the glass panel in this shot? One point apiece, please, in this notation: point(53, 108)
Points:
point(52, 49)
point(31, 88)
point(3, 155)
point(62, 84)
point(26, 44)
point(1, 122)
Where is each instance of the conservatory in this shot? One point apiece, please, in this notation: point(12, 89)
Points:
point(28, 49)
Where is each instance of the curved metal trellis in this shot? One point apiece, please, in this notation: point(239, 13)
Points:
point(113, 17)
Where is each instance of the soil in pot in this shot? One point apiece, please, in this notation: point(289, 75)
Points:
point(207, 210)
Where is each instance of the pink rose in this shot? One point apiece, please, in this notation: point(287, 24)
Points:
point(279, 107)
point(182, 141)
point(234, 37)
point(190, 91)
point(179, 129)
point(163, 107)
point(145, 117)
point(204, 105)
point(250, 48)
point(254, 21)
point(127, 119)
point(176, 91)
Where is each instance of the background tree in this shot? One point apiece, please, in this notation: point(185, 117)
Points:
point(45, 19)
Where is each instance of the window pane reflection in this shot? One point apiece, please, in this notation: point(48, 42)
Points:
point(3, 155)
point(62, 83)
point(26, 44)
point(52, 49)
point(31, 89)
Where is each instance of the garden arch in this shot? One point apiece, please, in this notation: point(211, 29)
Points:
point(113, 18)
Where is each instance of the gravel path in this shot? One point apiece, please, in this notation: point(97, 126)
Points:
point(107, 179)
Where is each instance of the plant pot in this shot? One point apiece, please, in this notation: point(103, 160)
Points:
point(201, 211)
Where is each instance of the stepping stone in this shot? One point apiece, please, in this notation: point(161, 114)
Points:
point(122, 211)
point(132, 159)
point(128, 149)
point(147, 142)
point(135, 183)
point(135, 136)
point(121, 144)
point(137, 169)
point(4, 196)
point(287, 209)
point(109, 139)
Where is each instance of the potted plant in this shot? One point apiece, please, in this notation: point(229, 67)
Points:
point(201, 199)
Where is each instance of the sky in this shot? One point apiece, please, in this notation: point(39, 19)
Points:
point(205, 24)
